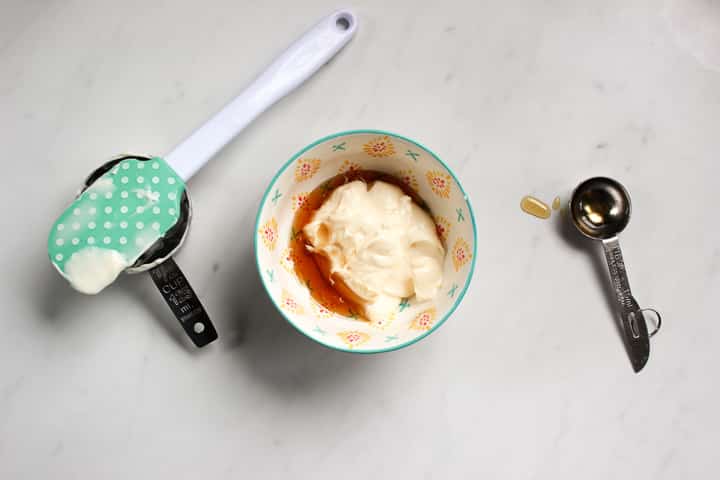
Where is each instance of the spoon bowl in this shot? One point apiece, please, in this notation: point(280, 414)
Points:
point(600, 208)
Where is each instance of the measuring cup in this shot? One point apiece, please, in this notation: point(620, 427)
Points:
point(109, 229)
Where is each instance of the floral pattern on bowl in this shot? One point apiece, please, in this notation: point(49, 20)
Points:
point(369, 150)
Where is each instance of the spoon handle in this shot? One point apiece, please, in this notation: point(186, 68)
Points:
point(631, 316)
point(184, 303)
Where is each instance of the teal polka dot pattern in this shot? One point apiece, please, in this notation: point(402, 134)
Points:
point(127, 209)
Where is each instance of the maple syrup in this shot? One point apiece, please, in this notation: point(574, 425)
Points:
point(535, 207)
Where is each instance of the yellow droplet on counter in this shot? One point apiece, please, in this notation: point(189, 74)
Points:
point(556, 203)
point(535, 207)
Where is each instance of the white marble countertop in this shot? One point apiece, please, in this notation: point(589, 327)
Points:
point(529, 379)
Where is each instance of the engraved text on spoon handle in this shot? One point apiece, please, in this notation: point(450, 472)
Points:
point(618, 276)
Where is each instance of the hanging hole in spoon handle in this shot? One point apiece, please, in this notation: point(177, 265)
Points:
point(344, 21)
point(183, 302)
point(656, 319)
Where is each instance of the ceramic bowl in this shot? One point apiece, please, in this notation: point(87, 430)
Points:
point(370, 150)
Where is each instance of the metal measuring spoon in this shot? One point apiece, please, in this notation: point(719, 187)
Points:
point(600, 209)
point(166, 274)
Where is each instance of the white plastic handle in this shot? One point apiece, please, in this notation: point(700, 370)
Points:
point(293, 67)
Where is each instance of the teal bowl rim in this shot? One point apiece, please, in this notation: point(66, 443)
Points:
point(459, 297)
